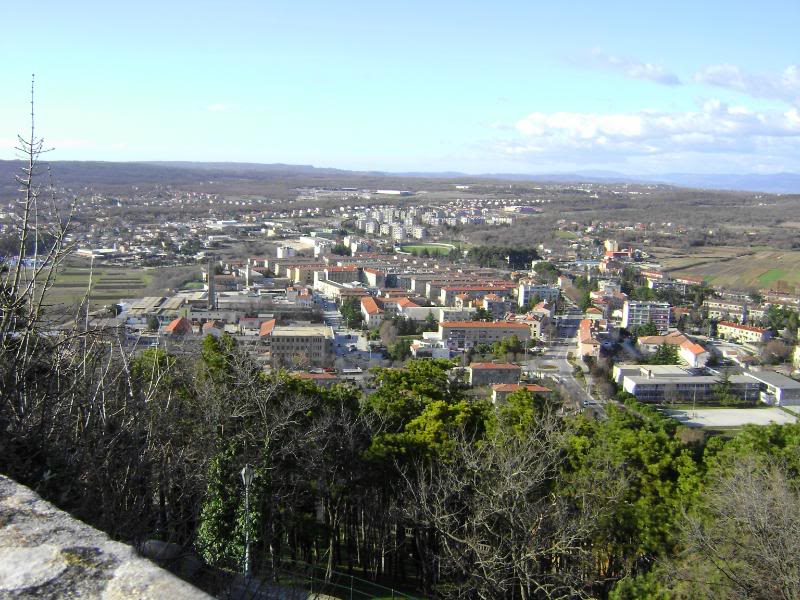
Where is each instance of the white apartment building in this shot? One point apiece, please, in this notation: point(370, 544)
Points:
point(635, 314)
point(527, 291)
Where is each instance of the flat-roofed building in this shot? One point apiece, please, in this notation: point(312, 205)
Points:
point(463, 335)
point(777, 389)
point(667, 383)
point(636, 314)
point(529, 291)
point(298, 345)
point(487, 373)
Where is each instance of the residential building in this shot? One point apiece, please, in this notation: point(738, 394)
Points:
point(588, 344)
point(463, 335)
point(528, 291)
point(298, 345)
point(725, 310)
point(324, 380)
point(373, 315)
point(690, 352)
point(178, 327)
point(487, 373)
point(742, 333)
point(449, 293)
point(636, 313)
point(501, 391)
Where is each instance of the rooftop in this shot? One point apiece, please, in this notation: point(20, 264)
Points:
point(483, 324)
point(302, 330)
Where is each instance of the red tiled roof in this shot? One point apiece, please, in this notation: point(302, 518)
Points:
point(267, 327)
point(316, 376)
point(180, 325)
point(479, 288)
point(481, 324)
point(340, 269)
point(369, 305)
point(513, 387)
point(487, 365)
point(693, 348)
point(743, 327)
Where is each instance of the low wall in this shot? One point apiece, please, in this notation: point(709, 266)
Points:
point(46, 553)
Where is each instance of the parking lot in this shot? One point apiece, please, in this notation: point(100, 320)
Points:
point(731, 417)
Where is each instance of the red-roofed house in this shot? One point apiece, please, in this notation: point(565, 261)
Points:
point(325, 380)
point(742, 333)
point(500, 391)
point(587, 343)
point(178, 327)
point(373, 315)
point(691, 353)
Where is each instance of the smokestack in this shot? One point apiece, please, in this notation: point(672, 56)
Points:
point(212, 292)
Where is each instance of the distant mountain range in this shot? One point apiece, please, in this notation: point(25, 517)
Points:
point(74, 173)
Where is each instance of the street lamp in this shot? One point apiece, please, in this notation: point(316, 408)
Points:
point(248, 474)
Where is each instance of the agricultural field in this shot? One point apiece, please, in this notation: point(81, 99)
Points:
point(741, 268)
point(109, 285)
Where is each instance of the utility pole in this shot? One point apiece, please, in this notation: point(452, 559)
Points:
point(248, 474)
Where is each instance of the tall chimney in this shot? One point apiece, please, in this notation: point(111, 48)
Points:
point(212, 291)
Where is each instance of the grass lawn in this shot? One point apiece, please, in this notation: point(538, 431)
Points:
point(567, 235)
point(431, 248)
point(772, 276)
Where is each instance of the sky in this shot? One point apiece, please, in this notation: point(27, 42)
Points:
point(469, 86)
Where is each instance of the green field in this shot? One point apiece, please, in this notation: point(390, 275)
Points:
point(773, 275)
point(567, 235)
point(741, 268)
point(431, 248)
point(109, 285)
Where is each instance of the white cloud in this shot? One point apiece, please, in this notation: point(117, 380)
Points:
point(218, 107)
point(781, 86)
point(630, 68)
point(714, 128)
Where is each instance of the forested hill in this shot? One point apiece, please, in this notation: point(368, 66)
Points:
point(232, 178)
point(252, 177)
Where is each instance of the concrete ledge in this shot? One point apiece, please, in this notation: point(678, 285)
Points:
point(46, 553)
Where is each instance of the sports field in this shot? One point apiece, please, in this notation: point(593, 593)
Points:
point(431, 248)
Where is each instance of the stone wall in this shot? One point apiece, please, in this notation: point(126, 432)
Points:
point(45, 553)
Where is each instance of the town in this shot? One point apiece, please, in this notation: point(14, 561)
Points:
point(348, 279)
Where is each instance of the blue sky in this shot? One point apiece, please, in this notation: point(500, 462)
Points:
point(524, 87)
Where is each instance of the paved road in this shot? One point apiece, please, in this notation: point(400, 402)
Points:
point(556, 356)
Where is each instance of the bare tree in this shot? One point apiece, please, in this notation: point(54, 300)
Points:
point(746, 544)
point(499, 522)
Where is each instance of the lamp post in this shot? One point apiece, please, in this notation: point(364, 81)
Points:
point(248, 474)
